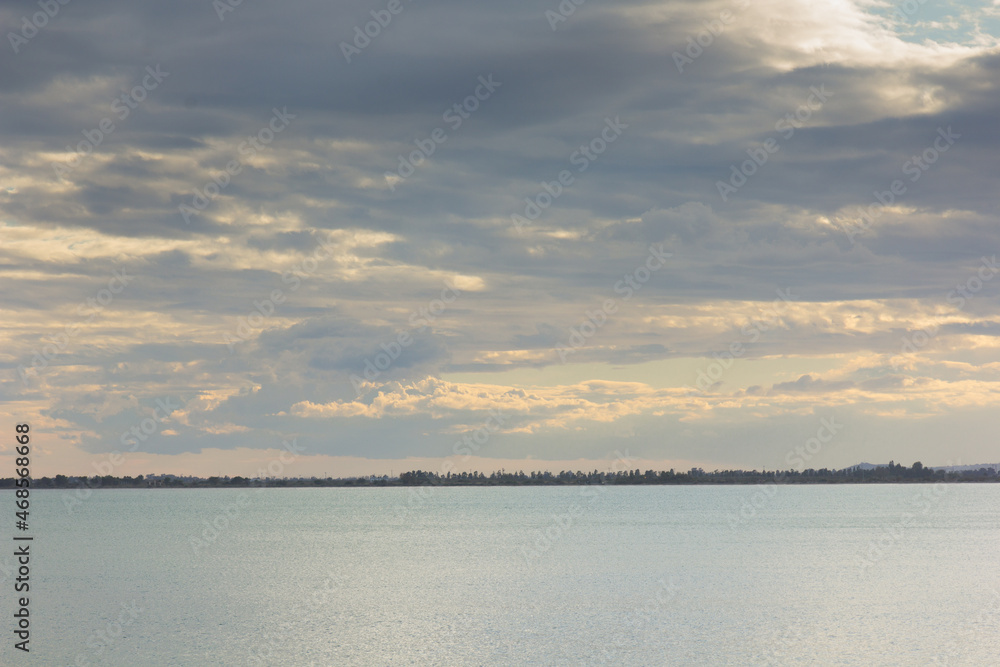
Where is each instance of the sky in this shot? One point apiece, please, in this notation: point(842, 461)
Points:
point(335, 239)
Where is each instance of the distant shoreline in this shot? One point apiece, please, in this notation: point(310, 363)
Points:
point(891, 474)
point(294, 484)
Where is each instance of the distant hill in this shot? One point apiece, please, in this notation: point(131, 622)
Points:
point(866, 466)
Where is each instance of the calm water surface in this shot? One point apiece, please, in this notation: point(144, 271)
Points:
point(809, 575)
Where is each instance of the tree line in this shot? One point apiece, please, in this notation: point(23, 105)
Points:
point(892, 473)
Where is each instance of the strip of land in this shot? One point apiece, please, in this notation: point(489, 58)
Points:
point(891, 473)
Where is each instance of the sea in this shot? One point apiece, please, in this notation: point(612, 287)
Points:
point(886, 574)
